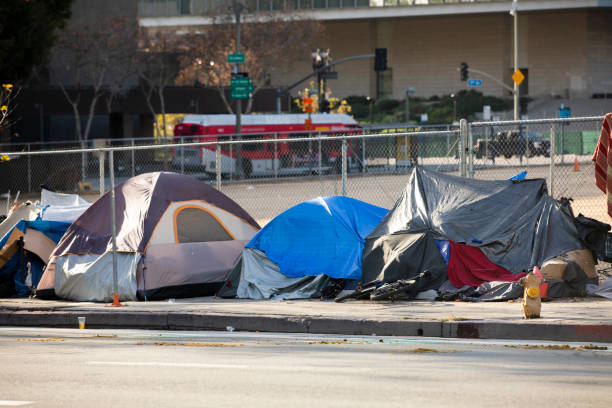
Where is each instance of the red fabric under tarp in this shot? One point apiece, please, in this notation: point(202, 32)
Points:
point(603, 161)
point(469, 266)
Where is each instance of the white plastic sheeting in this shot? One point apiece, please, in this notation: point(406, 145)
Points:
point(261, 279)
point(89, 278)
point(61, 207)
point(604, 289)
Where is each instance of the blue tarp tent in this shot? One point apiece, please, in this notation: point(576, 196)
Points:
point(10, 264)
point(324, 235)
point(297, 252)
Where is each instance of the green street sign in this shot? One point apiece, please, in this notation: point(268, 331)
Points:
point(235, 58)
point(240, 81)
point(241, 88)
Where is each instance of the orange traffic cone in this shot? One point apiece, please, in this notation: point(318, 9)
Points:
point(576, 166)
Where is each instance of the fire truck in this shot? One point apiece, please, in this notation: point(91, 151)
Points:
point(276, 155)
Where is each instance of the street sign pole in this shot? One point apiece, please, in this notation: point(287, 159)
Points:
point(237, 8)
point(516, 90)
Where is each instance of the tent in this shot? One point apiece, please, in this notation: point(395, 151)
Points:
point(511, 224)
point(296, 253)
point(176, 237)
point(28, 236)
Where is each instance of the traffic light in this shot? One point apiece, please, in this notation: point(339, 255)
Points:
point(325, 106)
point(380, 59)
point(464, 71)
point(320, 58)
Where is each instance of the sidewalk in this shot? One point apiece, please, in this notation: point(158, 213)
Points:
point(580, 320)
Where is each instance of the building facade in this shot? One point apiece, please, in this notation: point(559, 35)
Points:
point(564, 46)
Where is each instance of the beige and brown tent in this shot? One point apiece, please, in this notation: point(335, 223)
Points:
point(176, 237)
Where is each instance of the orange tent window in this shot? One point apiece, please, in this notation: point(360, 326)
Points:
point(197, 224)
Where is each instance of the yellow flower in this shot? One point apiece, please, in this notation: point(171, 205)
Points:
point(7, 86)
point(4, 108)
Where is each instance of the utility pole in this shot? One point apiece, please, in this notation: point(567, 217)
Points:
point(237, 8)
point(514, 13)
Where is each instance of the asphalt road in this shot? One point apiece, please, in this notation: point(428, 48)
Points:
point(102, 368)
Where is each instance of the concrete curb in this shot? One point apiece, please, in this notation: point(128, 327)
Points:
point(474, 329)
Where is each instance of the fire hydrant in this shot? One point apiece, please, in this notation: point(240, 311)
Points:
point(532, 300)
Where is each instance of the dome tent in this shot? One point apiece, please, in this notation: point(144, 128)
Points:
point(176, 237)
point(295, 253)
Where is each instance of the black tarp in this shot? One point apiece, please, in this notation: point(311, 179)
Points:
point(403, 256)
point(516, 224)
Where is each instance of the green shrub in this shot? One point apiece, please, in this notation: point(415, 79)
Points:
point(386, 105)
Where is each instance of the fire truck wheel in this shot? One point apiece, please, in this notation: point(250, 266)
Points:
point(247, 167)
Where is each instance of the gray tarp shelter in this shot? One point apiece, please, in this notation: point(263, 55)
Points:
point(516, 224)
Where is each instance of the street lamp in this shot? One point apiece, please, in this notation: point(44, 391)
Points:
point(514, 14)
point(454, 98)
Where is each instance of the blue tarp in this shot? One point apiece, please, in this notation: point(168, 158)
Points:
point(52, 229)
point(324, 235)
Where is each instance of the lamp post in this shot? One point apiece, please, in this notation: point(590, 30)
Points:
point(454, 98)
point(514, 14)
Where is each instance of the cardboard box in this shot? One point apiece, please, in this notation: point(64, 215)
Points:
point(584, 259)
point(553, 269)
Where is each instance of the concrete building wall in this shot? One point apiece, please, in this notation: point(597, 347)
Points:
point(599, 51)
point(567, 53)
point(427, 52)
point(346, 39)
point(558, 54)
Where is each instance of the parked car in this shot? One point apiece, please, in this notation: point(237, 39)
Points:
point(512, 143)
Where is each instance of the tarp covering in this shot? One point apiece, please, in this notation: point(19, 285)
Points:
point(61, 207)
point(39, 239)
point(469, 266)
point(324, 235)
point(403, 256)
point(89, 277)
point(515, 223)
point(261, 279)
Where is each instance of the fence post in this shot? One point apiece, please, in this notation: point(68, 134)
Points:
point(363, 155)
point(276, 160)
point(101, 157)
point(463, 130)
point(319, 157)
point(218, 165)
point(344, 166)
point(552, 159)
point(111, 165)
point(133, 160)
point(182, 156)
point(29, 170)
point(471, 150)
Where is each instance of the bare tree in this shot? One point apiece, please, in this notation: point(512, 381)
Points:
point(124, 64)
point(83, 62)
point(271, 44)
point(157, 69)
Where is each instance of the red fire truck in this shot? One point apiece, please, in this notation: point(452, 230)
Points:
point(273, 156)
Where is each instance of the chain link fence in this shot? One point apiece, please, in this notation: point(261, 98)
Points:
point(558, 150)
point(269, 173)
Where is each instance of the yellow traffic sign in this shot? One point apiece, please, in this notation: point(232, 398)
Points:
point(518, 77)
